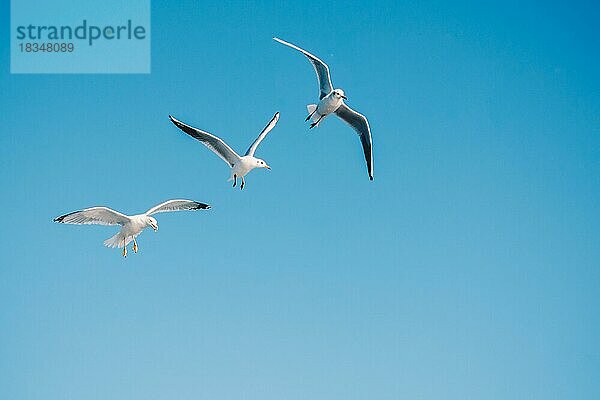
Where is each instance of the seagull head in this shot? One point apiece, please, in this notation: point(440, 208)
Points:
point(261, 164)
point(152, 222)
point(339, 94)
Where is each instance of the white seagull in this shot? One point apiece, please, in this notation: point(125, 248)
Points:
point(131, 225)
point(240, 166)
point(332, 101)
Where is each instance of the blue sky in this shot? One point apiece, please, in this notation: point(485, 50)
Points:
point(467, 269)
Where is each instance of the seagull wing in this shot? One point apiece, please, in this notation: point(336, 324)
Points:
point(217, 145)
point(321, 69)
point(177, 205)
point(361, 126)
point(94, 215)
point(263, 134)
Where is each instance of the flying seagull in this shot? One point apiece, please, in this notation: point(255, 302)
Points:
point(332, 101)
point(240, 166)
point(131, 225)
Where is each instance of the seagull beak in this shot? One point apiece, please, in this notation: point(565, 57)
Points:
point(344, 97)
point(267, 167)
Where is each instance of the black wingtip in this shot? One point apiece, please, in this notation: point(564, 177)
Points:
point(176, 123)
point(62, 217)
point(202, 206)
point(370, 178)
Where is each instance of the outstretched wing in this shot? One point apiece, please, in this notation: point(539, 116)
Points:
point(217, 145)
point(321, 69)
point(94, 215)
point(177, 205)
point(263, 134)
point(361, 126)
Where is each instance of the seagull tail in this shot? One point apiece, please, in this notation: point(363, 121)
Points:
point(117, 241)
point(312, 111)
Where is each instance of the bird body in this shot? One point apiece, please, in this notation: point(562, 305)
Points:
point(327, 105)
point(331, 102)
point(131, 230)
point(244, 165)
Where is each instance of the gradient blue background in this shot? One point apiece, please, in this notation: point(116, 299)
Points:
point(468, 269)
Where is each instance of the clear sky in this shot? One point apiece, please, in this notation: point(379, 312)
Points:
point(469, 268)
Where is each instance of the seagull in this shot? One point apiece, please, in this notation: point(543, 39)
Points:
point(131, 225)
point(240, 166)
point(332, 101)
